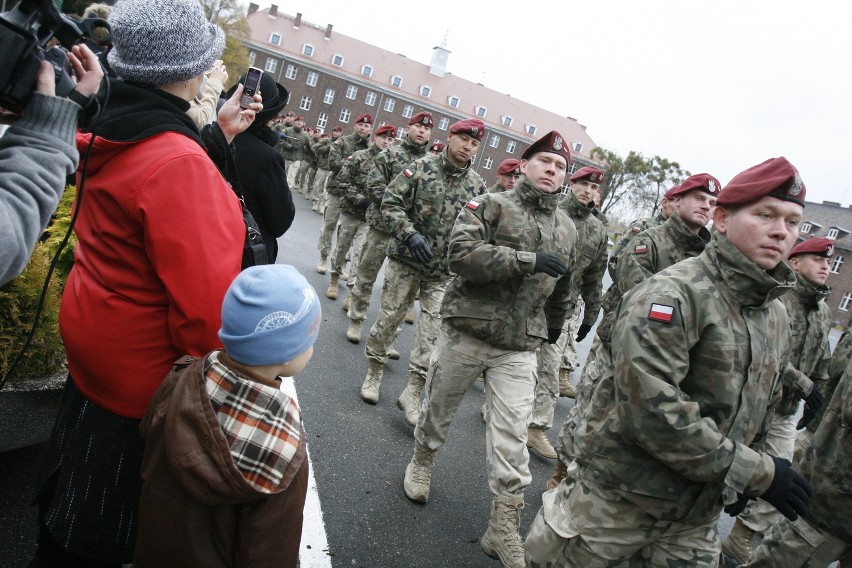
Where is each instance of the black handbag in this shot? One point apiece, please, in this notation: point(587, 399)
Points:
point(254, 249)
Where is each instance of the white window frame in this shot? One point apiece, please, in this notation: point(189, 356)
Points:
point(494, 142)
point(345, 115)
point(312, 79)
point(481, 111)
point(832, 233)
point(805, 228)
point(275, 38)
point(271, 65)
point(577, 147)
point(511, 145)
point(305, 103)
point(507, 121)
point(425, 91)
point(844, 302)
point(396, 81)
point(367, 70)
point(337, 60)
point(488, 162)
point(400, 133)
point(453, 101)
point(531, 129)
point(329, 96)
point(443, 123)
point(351, 92)
point(292, 72)
point(371, 98)
point(322, 120)
point(389, 104)
point(408, 111)
point(836, 263)
point(252, 57)
point(308, 50)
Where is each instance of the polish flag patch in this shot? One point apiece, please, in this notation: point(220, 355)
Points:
point(641, 249)
point(407, 173)
point(472, 205)
point(635, 229)
point(661, 312)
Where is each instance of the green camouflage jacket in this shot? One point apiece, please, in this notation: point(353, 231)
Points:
point(689, 383)
point(341, 149)
point(836, 367)
point(810, 321)
point(634, 228)
point(425, 198)
point(496, 297)
point(352, 181)
point(496, 189)
point(589, 269)
point(389, 163)
point(295, 145)
point(321, 151)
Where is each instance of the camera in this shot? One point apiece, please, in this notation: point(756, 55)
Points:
point(26, 31)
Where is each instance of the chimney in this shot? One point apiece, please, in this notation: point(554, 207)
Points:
point(273, 10)
point(252, 8)
point(298, 21)
point(328, 32)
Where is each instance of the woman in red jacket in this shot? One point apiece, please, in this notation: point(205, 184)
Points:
point(160, 236)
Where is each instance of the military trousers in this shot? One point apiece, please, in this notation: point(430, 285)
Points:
point(799, 544)
point(292, 172)
point(584, 525)
point(329, 224)
point(373, 255)
point(399, 288)
point(550, 359)
point(348, 229)
point(308, 185)
point(302, 175)
point(319, 187)
point(459, 358)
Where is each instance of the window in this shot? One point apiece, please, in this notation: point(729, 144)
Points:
point(312, 79)
point(836, 264)
point(396, 81)
point(573, 168)
point(844, 303)
point(510, 146)
point(488, 162)
point(453, 102)
point(832, 233)
point(444, 123)
point(291, 71)
point(367, 70)
point(400, 133)
point(577, 146)
point(370, 99)
point(271, 65)
point(275, 39)
point(322, 120)
point(345, 115)
point(308, 50)
point(805, 228)
point(351, 92)
point(389, 104)
point(305, 103)
point(507, 121)
point(252, 57)
point(329, 96)
point(480, 111)
point(337, 59)
point(425, 91)
point(531, 129)
point(408, 111)
point(495, 141)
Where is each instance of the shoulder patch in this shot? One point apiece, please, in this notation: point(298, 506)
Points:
point(407, 173)
point(472, 204)
point(641, 249)
point(662, 312)
point(635, 229)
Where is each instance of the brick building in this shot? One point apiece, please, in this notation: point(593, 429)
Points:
point(333, 78)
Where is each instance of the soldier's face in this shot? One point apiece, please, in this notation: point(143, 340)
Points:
point(764, 231)
point(695, 208)
point(666, 208)
point(419, 134)
point(363, 129)
point(545, 170)
point(813, 268)
point(507, 181)
point(384, 141)
point(584, 190)
point(461, 147)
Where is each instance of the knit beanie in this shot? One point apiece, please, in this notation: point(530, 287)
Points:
point(270, 315)
point(161, 42)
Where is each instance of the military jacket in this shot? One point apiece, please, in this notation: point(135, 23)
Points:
point(321, 151)
point(689, 382)
point(341, 149)
point(425, 198)
point(496, 297)
point(389, 163)
point(810, 321)
point(634, 228)
point(496, 188)
point(352, 181)
point(836, 367)
point(296, 144)
point(589, 268)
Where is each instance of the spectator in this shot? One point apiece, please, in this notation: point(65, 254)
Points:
point(203, 107)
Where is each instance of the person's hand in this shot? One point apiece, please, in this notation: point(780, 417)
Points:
point(87, 70)
point(583, 331)
point(218, 72)
point(233, 119)
point(789, 492)
point(419, 247)
point(553, 334)
point(813, 402)
point(549, 264)
point(46, 80)
point(738, 506)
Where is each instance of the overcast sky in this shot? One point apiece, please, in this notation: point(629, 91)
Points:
point(716, 86)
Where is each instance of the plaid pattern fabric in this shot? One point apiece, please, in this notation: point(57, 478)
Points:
point(261, 424)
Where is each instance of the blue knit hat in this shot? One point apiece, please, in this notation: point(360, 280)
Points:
point(270, 315)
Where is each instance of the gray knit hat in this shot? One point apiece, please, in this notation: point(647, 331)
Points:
point(160, 42)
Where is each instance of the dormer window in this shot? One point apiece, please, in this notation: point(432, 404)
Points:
point(577, 147)
point(507, 121)
point(275, 39)
point(308, 50)
point(367, 70)
point(480, 111)
point(396, 81)
point(425, 91)
point(337, 60)
point(531, 129)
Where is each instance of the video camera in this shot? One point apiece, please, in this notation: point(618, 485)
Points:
point(25, 32)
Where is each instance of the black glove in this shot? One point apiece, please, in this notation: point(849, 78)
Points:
point(549, 264)
point(738, 506)
point(553, 334)
point(419, 247)
point(813, 402)
point(789, 492)
point(583, 331)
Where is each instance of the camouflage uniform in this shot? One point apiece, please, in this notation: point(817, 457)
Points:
point(825, 534)
point(810, 321)
point(496, 188)
point(321, 151)
point(688, 381)
point(495, 314)
point(299, 143)
point(424, 198)
point(340, 149)
point(308, 171)
point(587, 274)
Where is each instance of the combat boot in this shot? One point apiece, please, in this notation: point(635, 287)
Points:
point(409, 315)
point(565, 386)
point(353, 333)
point(738, 544)
point(502, 539)
point(331, 293)
point(347, 303)
point(370, 388)
point(409, 400)
point(418, 474)
point(321, 266)
point(538, 442)
point(558, 476)
point(393, 352)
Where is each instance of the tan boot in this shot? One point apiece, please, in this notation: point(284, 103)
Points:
point(347, 303)
point(331, 293)
point(418, 474)
point(393, 352)
point(344, 275)
point(738, 544)
point(409, 400)
point(502, 538)
point(409, 315)
point(353, 333)
point(370, 388)
point(538, 442)
point(558, 476)
point(565, 386)
point(321, 266)
point(483, 412)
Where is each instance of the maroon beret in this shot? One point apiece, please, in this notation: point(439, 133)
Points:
point(337, 128)
point(819, 246)
point(470, 126)
point(509, 166)
point(384, 129)
point(552, 142)
point(366, 118)
point(704, 182)
point(437, 147)
point(422, 117)
point(775, 177)
point(594, 175)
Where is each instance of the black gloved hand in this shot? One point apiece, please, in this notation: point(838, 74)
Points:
point(813, 402)
point(789, 492)
point(419, 247)
point(738, 506)
point(549, 264)
point(583, 331)
point(553, 334)
point(807, 417)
